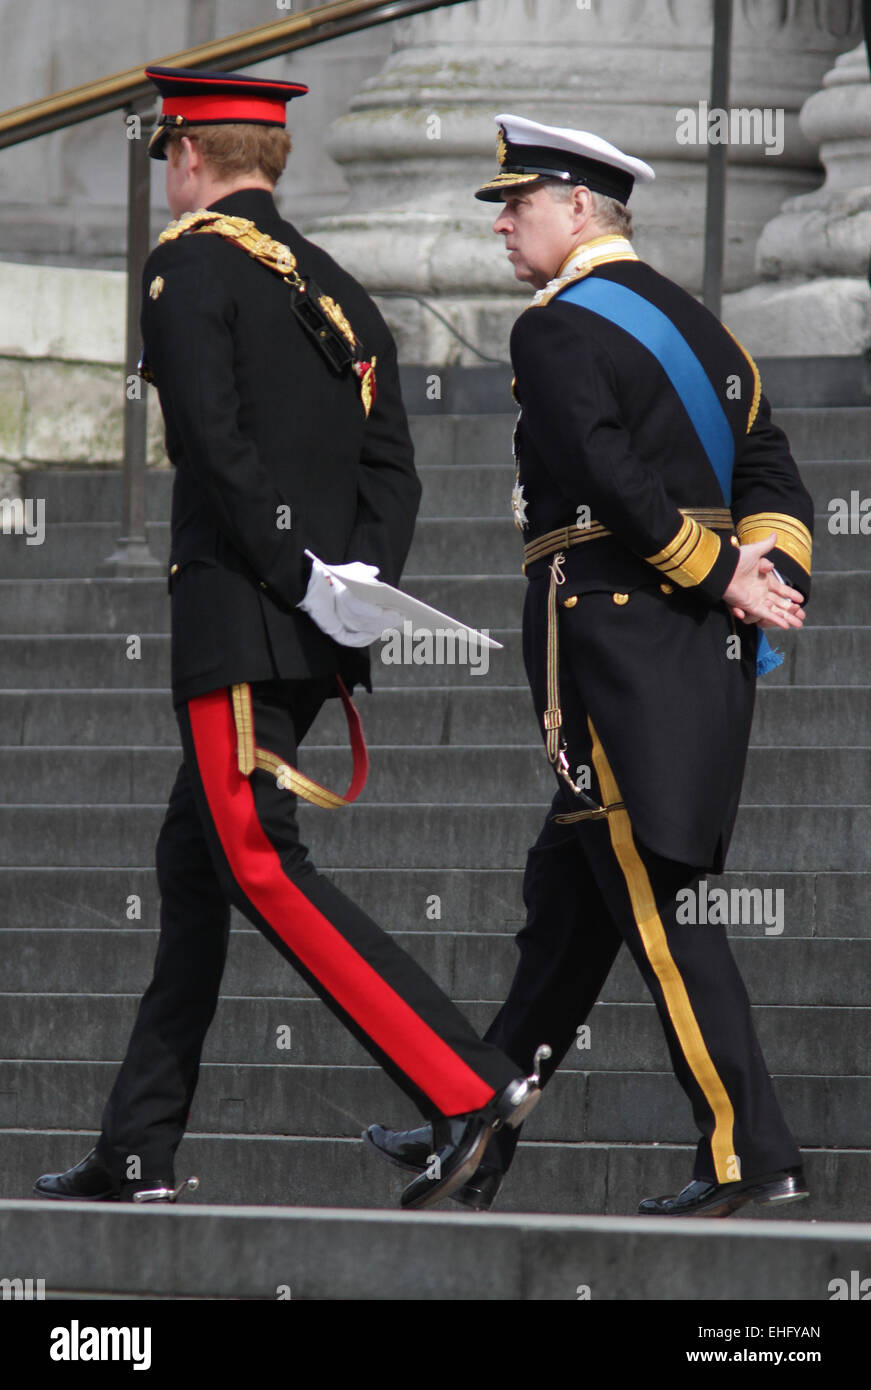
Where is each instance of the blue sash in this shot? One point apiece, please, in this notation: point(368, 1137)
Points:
point(655, 331)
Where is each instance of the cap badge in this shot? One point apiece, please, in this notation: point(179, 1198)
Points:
point(501, 147)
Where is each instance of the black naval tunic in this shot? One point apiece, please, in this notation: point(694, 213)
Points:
point(603, 427)
point(655, 696)
point(257, 422)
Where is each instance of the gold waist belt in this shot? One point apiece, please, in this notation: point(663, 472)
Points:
point(555, 543)
point(718, 518)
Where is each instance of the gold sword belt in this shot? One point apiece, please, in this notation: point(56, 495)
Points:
point(718, 518)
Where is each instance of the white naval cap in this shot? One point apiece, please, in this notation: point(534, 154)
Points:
point(528, 151)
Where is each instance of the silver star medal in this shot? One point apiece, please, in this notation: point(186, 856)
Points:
point(518, 507)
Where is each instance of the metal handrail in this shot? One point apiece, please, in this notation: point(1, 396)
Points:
point(718, 158)
point(132, 91)
point(122, 89)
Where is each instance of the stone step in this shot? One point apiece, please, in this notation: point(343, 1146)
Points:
point(339, 1102)
point(796, 1040)
point(829, 433)
point(835, 432)
point(558, 1178)
point(73, 494)
point(466, 964)
point(451, 469)
point(61, 662)
point(449, 489)
point(444, 836)
point(445, 441)
point(416, 775)
point(442, 545)
point(823, 905)
point(487, 899)
point(455, 491)
point(334, 1254)
point(94, 494)
point(810, 716)
point(141, 605)
point(271, 1252)
point(817, 433)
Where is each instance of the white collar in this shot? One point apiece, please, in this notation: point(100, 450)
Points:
point(584, 258)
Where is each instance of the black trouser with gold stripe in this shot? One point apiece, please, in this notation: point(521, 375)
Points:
point(590, 886)
point(580, 910)
point(233, 838)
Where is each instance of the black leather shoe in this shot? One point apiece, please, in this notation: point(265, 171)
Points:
point(479, 1193)
point(88, 1181)
point(701, 1198)
point(406, 1148)
point(467, 1136)
point(411, 1149)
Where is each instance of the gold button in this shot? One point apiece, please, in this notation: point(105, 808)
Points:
point(263, 584)
point(620, 598)
point(570, 601)
point(667, 588)
point(174, 569)
point(733, 540)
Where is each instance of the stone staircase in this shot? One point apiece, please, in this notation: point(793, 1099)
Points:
point(434, 850)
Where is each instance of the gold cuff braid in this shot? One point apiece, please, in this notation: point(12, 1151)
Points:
point(793, 537)
point(690, 556)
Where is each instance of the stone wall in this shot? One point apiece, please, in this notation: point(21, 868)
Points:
point(61, 374)
point(63, 196)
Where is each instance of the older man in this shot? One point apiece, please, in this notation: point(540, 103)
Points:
point(664, 525)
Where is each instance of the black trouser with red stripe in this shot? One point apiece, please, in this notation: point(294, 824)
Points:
point(229, 838)
point(590, 886)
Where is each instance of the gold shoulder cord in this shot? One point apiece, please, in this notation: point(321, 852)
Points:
point(276, 256)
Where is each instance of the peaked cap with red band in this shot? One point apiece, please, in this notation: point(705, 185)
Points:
point(191, 97)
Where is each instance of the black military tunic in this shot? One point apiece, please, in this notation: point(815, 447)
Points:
point(655, 696)
point(257, 422)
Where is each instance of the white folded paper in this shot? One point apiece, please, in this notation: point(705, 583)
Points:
point(394, 601)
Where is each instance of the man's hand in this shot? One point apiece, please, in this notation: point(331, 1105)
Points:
point(756, 595)
point(348, 620)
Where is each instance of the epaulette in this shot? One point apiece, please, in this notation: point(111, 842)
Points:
point(241, 231)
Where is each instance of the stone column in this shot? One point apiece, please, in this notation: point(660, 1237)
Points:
point(813, 256)
point(419, 139)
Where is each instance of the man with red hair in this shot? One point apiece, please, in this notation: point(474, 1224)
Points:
point(279, 387)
